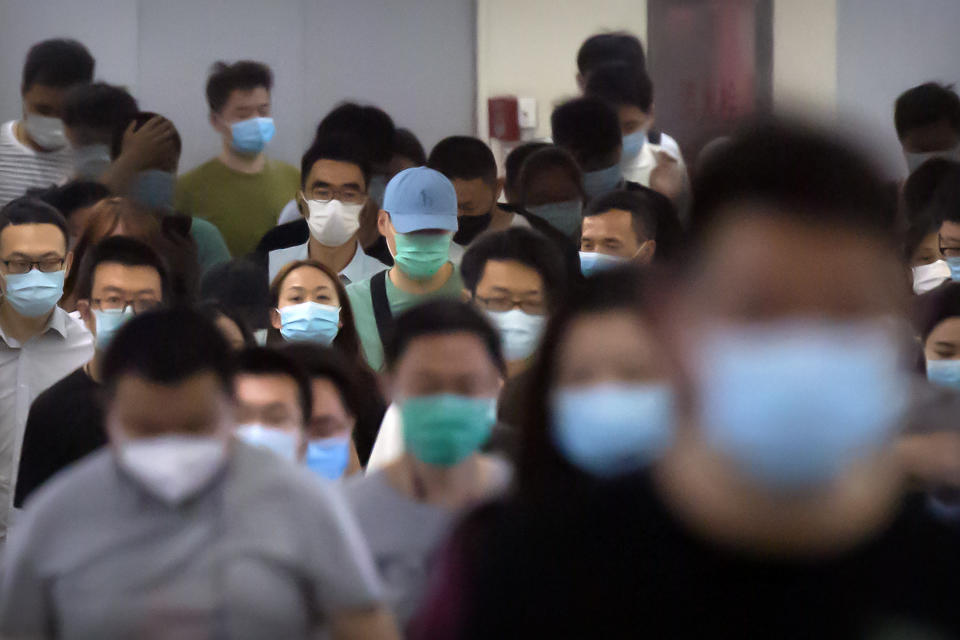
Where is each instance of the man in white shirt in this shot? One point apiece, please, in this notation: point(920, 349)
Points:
point(333, 191)
point(39, 342)
point(33, 150)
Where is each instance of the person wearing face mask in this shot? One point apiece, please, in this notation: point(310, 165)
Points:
point(40, 343)
point(418, 219)
point(331, 199)
point(201, 533)
point(310, 305)
point(650, 157)
point(619, 228)
point(344, 403)
point(927, 120)
point(589, 129)
point(241, 191)
point(121, 278)
point(943, 205)
point(780, 508)
point(34, 151)
point(91, 114)
point(445, 370)
point(921, 239)
point(550, 188)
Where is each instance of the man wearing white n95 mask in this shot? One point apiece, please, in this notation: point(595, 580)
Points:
point(177, 530)
point(333, 191)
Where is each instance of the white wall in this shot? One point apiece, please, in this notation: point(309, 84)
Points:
point(415, 58)
point(528, 48)
point(805, 56)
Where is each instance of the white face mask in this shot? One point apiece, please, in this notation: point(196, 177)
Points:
point(333, 223)
point(173, 467)
point(520, 332)
point(46, 131)
point(91, 161)
point(930, 276)
point(283, 443)
point(914, 160)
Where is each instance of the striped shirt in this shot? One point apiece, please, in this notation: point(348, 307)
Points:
point(22, 168)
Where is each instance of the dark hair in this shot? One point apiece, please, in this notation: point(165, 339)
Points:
point(540, 467)
point(529, 248)
point(325, 363)
point(371, 124)
point(639, 206)
point(549, 157)
point(590, 129)
point(139, 119)
point(99, 106)
point(76, 194)
point(243, 75)
point(464, 158)
point(803, 173)
point(944, 201)
point(347, 340)
point(936, 306)
point(342, 147)
point(924, 105)
point(120, 250)
point(30, 210)
point(240, 285)
point(57, 63)
point(618, 83)
point(167, 347)
point(213, 311)
point(438, 317)
point(406, 144)
point(654, 216)
point(926, 204)
point(261, 361)
point(514, 163)
point(607, 47)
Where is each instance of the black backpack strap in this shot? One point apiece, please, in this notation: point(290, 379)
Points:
point(381, 306)
point(653, 137)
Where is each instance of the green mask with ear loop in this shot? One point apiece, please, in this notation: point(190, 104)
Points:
point(444, 429)
point(420, 255)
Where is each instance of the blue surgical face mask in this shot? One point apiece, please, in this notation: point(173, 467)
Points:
point(310, 322)
point(154, 189)
point(90, 161)
point(283, 443)
point(565, 217)
point(519, 331)
point(632, 144)
point(612, 429)
point(34, 293)
point(328, 457)
point(592, 263)
point(794, 404)
point(108, 323)
point(945, 373)
point(597, 183)
point(954, 264)
point(377, 187)
point(252, 135)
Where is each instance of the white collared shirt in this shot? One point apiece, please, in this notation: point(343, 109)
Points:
point(360, 267)
point(639, 170)
point(26, 370)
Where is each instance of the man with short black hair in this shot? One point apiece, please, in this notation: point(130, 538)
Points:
point(178, 525)
point(619, 227)
point(335, 175)
point(600, 48)
point(120, 278)
point(39, 342)
point(91, 115)
point(241, 191)
point(589, 129)
point(927, 119)
point(34, 151)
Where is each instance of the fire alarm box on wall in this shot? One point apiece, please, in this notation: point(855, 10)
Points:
point(504, 118)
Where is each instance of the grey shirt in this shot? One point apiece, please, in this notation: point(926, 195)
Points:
point(264, 551)
point(403, 535)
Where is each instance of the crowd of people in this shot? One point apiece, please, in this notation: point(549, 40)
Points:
point(395, 393)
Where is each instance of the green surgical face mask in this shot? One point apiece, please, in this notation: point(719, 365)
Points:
point(445, 429)
point(421, 255)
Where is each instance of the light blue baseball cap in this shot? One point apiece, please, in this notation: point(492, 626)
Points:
point(420, 198)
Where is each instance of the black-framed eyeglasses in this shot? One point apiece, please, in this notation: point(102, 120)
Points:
point(116, 303)
point(532, 307)
point(346, 196)
point(47, 265)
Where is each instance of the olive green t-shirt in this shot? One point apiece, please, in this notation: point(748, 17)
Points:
point(400, 301)
point(244, 206)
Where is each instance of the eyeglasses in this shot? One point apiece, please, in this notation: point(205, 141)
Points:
point(346, 196)
point(48, 265)
point(532, 307)
point(116, 303)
